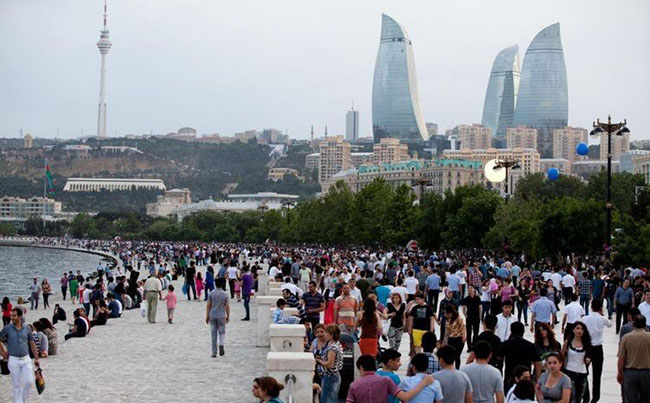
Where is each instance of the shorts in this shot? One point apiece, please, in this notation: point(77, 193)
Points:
point(417, 337)
point(170, 311)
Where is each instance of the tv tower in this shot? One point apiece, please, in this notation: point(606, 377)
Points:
point(104, 45)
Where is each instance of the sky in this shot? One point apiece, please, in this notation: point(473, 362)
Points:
point(229, 66)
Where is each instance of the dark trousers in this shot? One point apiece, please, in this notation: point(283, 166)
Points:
point(191, 286)
point(636, 386)
point(579, 382)
point(74, 334)
point(6, 320)
point(433, 299)
point(457, 343)
point(584, 302)
point(231, 285)
point(472, 325)
point(87, 309)
point(64, 290)
point(567, 292)
point(522, 308)
point(621, 315)
point(247, 301)
point(597, 358)
point(46, 300)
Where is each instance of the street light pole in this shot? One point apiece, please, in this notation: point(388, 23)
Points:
point(507, 164)
point(617, 129)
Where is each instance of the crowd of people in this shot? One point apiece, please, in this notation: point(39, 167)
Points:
point(443, 304)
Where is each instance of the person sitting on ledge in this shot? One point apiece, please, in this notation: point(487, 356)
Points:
point(59, 314)
point(114, 306)
point(278, 315)
point(81, 325)
point(101, 314)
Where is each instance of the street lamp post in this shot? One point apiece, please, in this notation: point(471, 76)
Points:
point(617, 129)
point(508, 165)
point(422, 182)
point(287, 205)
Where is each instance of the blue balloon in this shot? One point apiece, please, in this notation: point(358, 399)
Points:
point(582, 149)
point(553, 173)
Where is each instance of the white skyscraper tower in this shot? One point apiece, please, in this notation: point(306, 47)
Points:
point(352, 125)
point(104, 46)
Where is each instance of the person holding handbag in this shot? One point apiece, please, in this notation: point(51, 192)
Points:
point(577, 357)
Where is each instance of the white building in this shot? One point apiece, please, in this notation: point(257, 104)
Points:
point(167, 203)
point(239, 203)
point(98, 184)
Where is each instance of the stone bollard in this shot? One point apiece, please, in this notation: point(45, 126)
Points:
point(275, 292)
point(262, 282)
point(264, 319)
point(281, 365)
point(288, 338)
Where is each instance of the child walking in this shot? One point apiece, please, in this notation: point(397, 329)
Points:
point(171, 303)
point(199, 284)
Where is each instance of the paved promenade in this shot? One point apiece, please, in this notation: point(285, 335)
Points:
point(130, 360)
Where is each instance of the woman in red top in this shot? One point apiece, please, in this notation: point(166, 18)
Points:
point(6, 311)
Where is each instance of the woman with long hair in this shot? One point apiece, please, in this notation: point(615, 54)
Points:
point(523, 296)
point(369, 322)
point(455, 332)
point(329, 364)
point(52, 337)
point(545, 341)
point(267, 389)
point(577, 353)
point(396, 314)
point(553, 386)
point(47, 291)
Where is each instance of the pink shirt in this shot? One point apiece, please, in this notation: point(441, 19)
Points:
point(171, 300)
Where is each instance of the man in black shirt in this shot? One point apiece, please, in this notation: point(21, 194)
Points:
point(488, 335)
point(518, 351)
point(472, 311)
point(189, 280)
point(421, 320)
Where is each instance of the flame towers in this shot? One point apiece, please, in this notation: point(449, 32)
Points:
point(395, 103)
point(542, 102)
point(501, 94)
point(104, 44)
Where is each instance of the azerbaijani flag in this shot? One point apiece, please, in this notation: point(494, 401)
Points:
point(50, 182)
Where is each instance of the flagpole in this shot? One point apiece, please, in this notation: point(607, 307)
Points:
point(45, 179)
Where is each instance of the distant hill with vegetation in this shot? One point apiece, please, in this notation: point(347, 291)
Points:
point(207, 169)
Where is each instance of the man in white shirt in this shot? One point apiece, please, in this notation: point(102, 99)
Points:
point(504, 320)
point(412, 285)
point(556, 277)
point(568, 287)
point(400, 289)
point(354, 291)
point(595, 323)
point(573, 312)
point(273, 272)
point(644, 307)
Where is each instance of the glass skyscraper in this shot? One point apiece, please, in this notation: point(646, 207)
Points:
point(543, 95)
point(502, 90)
point(395, 103)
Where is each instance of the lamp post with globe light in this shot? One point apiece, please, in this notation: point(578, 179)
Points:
point(617, 129)
point(508, 165)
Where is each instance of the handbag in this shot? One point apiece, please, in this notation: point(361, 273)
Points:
point(40, 380)
point(4, 367)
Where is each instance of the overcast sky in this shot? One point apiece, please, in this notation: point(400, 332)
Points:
point(228, 66)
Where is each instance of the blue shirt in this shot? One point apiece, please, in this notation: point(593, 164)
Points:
point(598, 284)
point(393, 377)
point(543, 308)
point(382, 294)
point(502, 272)
point(429, 394)
point(17, 340)
point(624, 296)
point(453, 282)
point(433, 282)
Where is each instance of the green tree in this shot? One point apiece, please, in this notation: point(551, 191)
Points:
point(623, 188)
point(473, 217)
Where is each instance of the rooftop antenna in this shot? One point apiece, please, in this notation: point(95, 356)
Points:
point(312, 133)
point(325, 131)
point(353, 104)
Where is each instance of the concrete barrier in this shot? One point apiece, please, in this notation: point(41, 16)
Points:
point(288, 338)
point(298, 368)
point(264, 319)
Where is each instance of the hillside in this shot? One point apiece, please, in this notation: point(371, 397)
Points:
point(205, 168)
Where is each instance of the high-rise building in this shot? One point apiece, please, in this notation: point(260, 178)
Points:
point(542, 102)
point(352, 125)
point(334, 157)
point(104, 44)
point(521, 137)
point(642, 166)
point(620, 145)
point(395, 102)
point(389, 150)
point(432, 129)
point(626, 159)
point(472, 137)
point(502, 90)
point(566, 140)
point(28, 141)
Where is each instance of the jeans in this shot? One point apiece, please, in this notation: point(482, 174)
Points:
point(218, 333)
point(22, 377)
point(87, 308)
point(207, 291)
point(597, 358)
point(247, 302)
point(34, 301)
point(46, 303)
point(579, 382)
point(486, 309)
point(584, 302)
point(330, 385)
point(456, 343)
point(610, 306)
point(231, 285)
point(64, 290)
point(636, 385)
point(522, 307)
point(191, 286)
point(621, 314)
